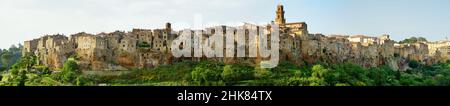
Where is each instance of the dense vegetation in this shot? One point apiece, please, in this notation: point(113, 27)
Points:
point(205, 73)
point(16, 71)
point(413, 40)
point(26, 73)
point(9, 56)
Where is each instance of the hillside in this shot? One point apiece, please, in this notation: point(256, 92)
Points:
point(207, 73)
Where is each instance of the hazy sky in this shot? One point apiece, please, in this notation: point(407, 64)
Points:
point(28, 19)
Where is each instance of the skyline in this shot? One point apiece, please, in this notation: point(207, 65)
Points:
point(29, 19)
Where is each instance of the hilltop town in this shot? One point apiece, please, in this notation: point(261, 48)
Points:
point(148, 48)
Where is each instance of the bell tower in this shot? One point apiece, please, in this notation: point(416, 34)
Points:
point(280, 15)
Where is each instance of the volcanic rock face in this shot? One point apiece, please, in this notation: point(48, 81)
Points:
point(145, 48)
point(105, 51)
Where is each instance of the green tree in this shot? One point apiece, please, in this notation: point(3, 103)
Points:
point(318, 76)
point(413, 40)
point(410, 79)
point(383, 76)
point(16, 53)
point(70, 71)
point(6, 59)
point(204, 76)
point(319, 71)
point(206, 73)
point(414, 64)
point(261, 73)
point(17, 75)
point(81, 81)
point(229, 75)
point(348, 73)
point(443, 80)
point(422, 39)
point(22, 77)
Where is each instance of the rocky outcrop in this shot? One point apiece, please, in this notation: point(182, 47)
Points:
point(146, 48)
point(104, 51)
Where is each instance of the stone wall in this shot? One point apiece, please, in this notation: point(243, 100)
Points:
point(146, 48)
point(125, 50)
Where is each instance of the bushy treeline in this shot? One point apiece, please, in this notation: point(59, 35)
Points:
point(10, 56)
point(205, 73)
point(25, 72)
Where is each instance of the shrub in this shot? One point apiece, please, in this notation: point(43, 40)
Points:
point(206, 72)
point(231, 74)
point(261, 73)
point(70, 71)
point(414, 64)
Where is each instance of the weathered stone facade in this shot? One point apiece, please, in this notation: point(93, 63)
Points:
point(51, 50)
point(146, 48)
point(104, 51)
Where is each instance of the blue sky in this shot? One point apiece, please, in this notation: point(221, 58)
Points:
point(28, 19)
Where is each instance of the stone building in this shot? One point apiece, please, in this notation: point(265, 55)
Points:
point(415, 51)
point(442, 54)
point(162, 38)
point(434, 46)
point(51, 50)
point(147, 48)
point(366, 40)
point(29, 46)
